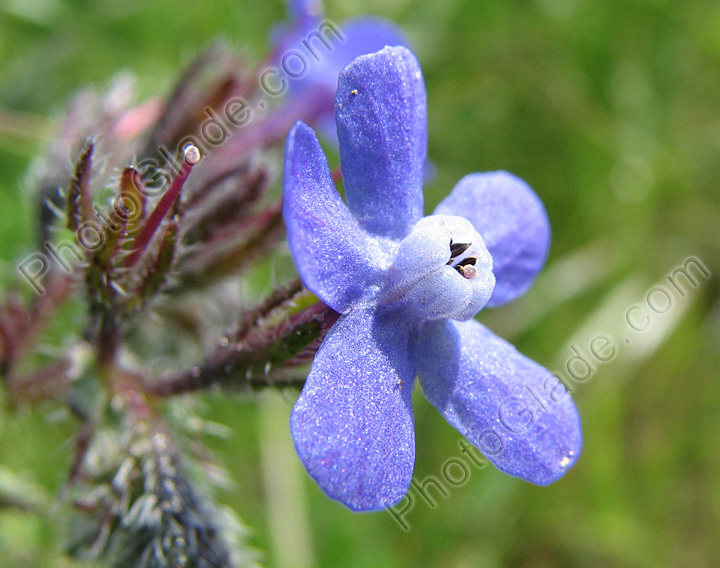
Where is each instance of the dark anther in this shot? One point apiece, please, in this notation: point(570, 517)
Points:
point(456, 249)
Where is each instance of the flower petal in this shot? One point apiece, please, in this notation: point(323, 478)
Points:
point(360, 36)
point(353, 423)
point(513, 223)
point(335, 258)
point(380, 110)
point(516, 412)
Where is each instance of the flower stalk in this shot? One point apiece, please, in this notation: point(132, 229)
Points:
point(192, 157)
point(246, 362)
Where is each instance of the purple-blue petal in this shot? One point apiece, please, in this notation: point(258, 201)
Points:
point(380, 110)
point(353, 423)
point(513, 223)
point(335, 258)
point(517, 413)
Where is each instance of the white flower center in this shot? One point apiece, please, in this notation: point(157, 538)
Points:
point(442, 269)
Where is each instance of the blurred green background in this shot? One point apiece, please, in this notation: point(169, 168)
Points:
point(611, 111)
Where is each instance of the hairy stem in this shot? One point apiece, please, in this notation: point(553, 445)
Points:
point(246, 364)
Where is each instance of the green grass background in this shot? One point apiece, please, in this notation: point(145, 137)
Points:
point(611, 111)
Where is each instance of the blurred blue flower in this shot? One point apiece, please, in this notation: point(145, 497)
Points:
point(302, 71)
point(311, 51)
point(407, 288)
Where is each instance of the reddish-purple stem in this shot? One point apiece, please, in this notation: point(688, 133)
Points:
point(153, 221)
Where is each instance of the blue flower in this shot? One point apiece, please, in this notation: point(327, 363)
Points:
point(315, 51)
point(407, 288)
point(356, 37)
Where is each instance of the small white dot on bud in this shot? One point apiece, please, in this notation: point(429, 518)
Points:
point(469, 271)
point(192, 154)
